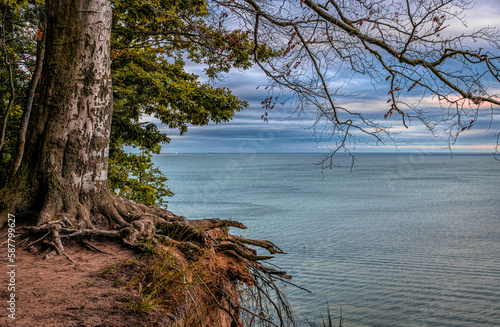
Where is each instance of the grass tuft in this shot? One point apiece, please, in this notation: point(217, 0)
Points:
point(146, 304)
point(328, 321)
point(90, 283)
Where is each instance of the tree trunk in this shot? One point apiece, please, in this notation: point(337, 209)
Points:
point(65, 164)
point(21, 135)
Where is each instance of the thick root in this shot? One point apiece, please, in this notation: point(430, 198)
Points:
point(138, 223)
point(207, 224)
point(54, 231)
point(269, 246)
point(244, 253)
point(143, 228)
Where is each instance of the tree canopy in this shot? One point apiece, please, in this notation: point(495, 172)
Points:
point(149, 44)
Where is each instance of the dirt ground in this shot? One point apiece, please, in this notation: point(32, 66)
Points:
point(55, 292)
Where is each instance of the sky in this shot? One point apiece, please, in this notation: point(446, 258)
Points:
point(286, 133)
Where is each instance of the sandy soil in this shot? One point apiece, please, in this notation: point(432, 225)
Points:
point(55, 292)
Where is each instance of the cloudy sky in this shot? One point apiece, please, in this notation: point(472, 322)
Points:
point(292, 134)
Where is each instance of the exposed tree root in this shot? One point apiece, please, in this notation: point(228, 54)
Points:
point(266, 298)
point(143, 228)
point(93, 248)
point(38, 240)
point(54, 231)
point(269, 246)
point(139, 223)
point(244, 253)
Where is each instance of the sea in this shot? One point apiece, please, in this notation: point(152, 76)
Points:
point(395, 240)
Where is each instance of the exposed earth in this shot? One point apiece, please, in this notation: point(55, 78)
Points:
point(55, 292)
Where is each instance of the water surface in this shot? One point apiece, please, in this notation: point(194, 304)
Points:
point(402, 240)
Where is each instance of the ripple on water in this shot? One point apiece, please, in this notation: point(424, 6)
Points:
point(397, 242)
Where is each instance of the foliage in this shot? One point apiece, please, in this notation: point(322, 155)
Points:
point(147, 84)
point(134, 177)
point(151, 85)
point(175, 27)
point(10, 138)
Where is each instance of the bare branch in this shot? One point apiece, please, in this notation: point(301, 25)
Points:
point(401, 46)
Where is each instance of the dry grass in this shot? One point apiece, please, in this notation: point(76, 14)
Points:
point(196, 292)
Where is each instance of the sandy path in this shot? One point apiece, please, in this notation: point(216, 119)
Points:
point(56, 292)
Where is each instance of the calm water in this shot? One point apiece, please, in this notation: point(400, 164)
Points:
point(403, 240)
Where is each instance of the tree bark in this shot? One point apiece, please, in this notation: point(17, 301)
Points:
point(65, 164)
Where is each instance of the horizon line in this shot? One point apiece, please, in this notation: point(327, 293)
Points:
point(323, 153)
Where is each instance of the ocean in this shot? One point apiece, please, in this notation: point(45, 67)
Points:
point(401, 240)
